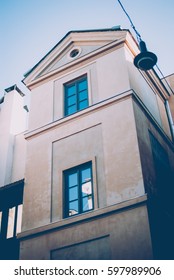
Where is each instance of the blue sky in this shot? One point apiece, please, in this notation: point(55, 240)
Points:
point(30, 28)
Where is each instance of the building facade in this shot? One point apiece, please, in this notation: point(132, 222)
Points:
point(99, 164)
point(13, 122)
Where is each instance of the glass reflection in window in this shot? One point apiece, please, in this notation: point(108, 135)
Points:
point(78, 189)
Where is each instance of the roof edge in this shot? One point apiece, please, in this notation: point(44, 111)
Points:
point(14, 87)
point(12, 185)
point(114, 28)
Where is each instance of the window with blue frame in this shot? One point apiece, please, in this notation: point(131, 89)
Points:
point(78, 190)
point(76, 95)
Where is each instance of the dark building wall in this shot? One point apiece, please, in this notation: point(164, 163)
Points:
point(157, 159)
point(11, 197)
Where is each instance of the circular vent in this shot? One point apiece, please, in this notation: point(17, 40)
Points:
point(74, 53)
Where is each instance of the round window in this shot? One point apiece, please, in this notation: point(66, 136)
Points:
point(75, 52)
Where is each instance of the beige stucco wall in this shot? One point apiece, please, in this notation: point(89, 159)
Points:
point(122, 75)
point(41, 106)
point(111, 145)
point(104, 133)
point(144, 90)
point(119, 235)
point(71, 151)
point(112, 75)
point(47, 98)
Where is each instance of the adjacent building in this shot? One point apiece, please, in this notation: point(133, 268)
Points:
point(99, 154)
point(13, 121)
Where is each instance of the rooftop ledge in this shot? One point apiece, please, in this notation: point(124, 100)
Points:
point(14, 87)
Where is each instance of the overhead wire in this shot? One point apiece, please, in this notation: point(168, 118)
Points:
point(139, 39)
point(131, 22)
point(163, 77)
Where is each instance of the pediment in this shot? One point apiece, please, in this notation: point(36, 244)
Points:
point(83, 43)
point(66, 58)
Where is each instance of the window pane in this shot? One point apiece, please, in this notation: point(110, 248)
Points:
point(70, 90)
point(76, 96)
point(83, 95)
point(86, 189)
point(11, 222)
point(78, 189)
point(82, 85)
point(73, 208)
point(71, 100)
point(86, 174)
point(71, 110)
point(87, 203)
point(72, 179)
point(83, 104)
point(73, 193)
point(19, 218)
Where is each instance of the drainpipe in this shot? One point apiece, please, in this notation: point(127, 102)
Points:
point(170, 119)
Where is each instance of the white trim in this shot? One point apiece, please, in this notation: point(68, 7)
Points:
point(11, 222)
point(34, 79)
point(102, 37)
point(73, 49)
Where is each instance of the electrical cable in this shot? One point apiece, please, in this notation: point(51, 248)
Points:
point(139, 39)
point(132, 25)
point(163, 77)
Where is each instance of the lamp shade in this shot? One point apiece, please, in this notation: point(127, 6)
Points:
point(145, 60)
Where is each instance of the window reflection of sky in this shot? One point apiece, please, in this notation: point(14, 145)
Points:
point(86, 175)
point(73, 193)
point(87, 203)
point(79, 184)
point(73, 207)
point(72, 179)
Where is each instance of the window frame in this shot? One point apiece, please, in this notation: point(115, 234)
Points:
point(77, 169)
point(76, 83)
point(9, 230)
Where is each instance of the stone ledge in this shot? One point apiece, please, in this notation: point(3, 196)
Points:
point(92, 215)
